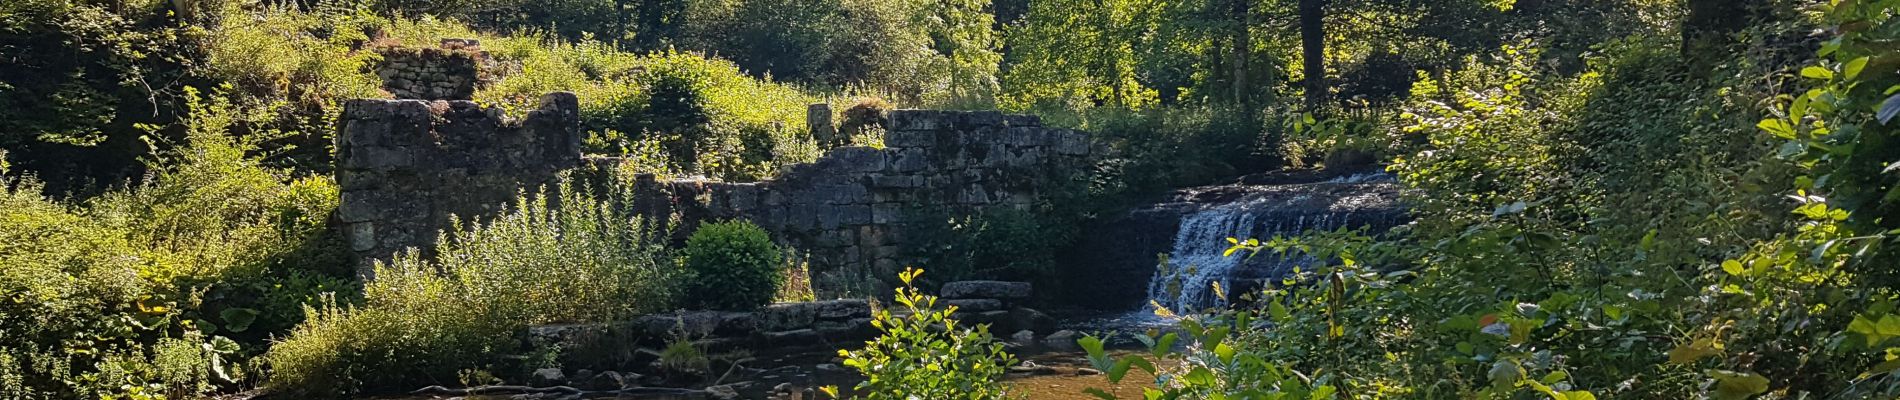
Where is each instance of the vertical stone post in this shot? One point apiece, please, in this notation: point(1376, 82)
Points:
point(818, 119)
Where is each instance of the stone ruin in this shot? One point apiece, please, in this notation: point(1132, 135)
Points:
point(406, 166)
point(855, 209)
point(452, 71)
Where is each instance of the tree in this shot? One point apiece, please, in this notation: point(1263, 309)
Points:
point(1313, 51)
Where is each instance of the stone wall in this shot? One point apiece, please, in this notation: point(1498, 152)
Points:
point(854, 208)
point(406, 167)
point(452, 71)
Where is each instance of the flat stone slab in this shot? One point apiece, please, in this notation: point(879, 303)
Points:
point(986, 290)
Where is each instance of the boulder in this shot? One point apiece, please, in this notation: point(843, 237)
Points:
point(1063, 340)
point(547, 377)
point(723, 392)
point(1030, 319)
point(1023, 338)
point(986, 290)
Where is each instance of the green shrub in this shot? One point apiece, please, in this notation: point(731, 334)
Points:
point(426, 320)
point(130, 292)
point(1217, 362)
point(1157, 149)
point(925, 354)
point(734, 266)
point(864, 121)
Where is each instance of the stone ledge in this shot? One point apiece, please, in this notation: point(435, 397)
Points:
point(986, 290)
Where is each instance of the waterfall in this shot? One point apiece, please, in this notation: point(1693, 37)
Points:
point(1186, 278)
point(1197, 263)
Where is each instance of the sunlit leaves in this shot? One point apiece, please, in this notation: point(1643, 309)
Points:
point(1695, 350)
point(1779, 127)
point(1875, 330)
point(1730, 385)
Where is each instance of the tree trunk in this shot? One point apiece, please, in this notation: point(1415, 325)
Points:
point(1313, 51)
point(1243, 43)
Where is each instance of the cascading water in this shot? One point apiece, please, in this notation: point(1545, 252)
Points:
point(1197, 274)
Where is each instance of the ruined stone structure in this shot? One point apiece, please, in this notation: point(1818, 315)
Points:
point(406, 167)
point(452, 71)
point(852, 209)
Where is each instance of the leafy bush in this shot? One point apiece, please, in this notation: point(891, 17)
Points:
point(926, 354)
point(865, 120)
point(1543, 264)
point(141, 290)
point(1153, 150)
point(918, 52)
point(734, 266)
point(427, 319)
point(1217, 362)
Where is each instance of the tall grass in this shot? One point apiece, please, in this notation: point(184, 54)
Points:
point(425, 319)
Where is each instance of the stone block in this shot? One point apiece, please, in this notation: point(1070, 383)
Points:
point(982, 119)
point(794, 338)
point(786, 316)
point(887, 213)
point(844, 194)
point(896, 181)
point(858, 158)
point(836, 238)
point(973, 194)
point(888, 252)
point(908, 139)
point(362, 236)
point(360, 206)
point(845, 331)
point(379, 158)
point(843, 309)
point(870, 236)
point(736, 324)
point(910, 161)
point(834, 217)
point(917, 120)
point(986, 290)
point(976, 305)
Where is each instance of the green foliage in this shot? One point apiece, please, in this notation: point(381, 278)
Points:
point(940, 53)
point(79, 74)
point(1154, 150)
point(926, 354)
point(428, 318)
point(734, 266)
point(863, 123)
point(1543, 264)
point(1041, 76)
point(1216, 362)
point(140, 290)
